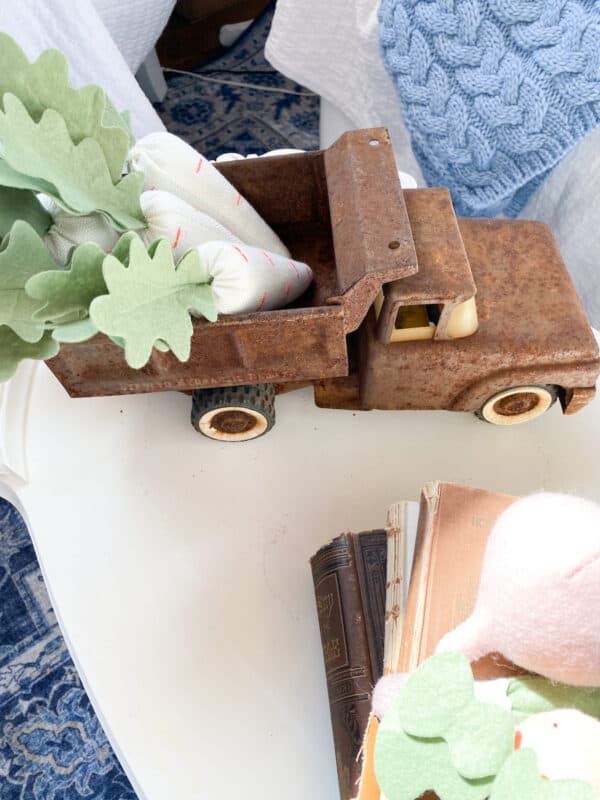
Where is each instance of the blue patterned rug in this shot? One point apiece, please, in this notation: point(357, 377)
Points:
point(51, 744)
point(217, 118)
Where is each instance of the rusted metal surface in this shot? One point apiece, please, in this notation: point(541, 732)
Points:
point(532, 330)
point(444, 275)
point(290, 344)
point(371, 231)
point(308, 341)
point(338, 393)
point(284, 190)
point(574, 399)
point(342, 212)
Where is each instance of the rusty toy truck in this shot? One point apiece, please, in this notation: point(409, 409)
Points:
point(410, 308)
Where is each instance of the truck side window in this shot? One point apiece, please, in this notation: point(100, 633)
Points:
point(415, 322)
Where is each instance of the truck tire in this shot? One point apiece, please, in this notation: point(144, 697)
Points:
point(518, 404)
point(234, 413)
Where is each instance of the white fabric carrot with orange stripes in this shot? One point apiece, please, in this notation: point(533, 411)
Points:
point(170, 164)
point(247, 279)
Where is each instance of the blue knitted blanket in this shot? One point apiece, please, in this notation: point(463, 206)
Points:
point(494, 92)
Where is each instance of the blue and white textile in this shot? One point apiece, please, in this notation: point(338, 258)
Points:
point(494, 92)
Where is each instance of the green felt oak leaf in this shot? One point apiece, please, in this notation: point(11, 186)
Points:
point(123, 246)
point(70, 290)
point(22, 255)
point(406, 767)
point(520, 779)
point(10, 178)
point(22, 204)
point(45, 84)
point(13, 350)
point(532, 695)
point(118, 119)
point(438, 700)
point(150, 300)
point(76, 331)
point(75, 175)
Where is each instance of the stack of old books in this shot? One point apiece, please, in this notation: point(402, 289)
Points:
point(384, 600)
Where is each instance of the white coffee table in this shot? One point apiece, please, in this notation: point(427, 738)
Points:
point(179, 566)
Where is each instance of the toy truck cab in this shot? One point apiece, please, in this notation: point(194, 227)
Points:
point(490, 323)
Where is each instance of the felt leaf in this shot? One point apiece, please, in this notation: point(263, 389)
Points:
point(45, 84)
point(532, 695)
point(439, 700)
point(23, 254)
point(150, 300)
point(75, 175)
point(200, 301)
point(480, 739)
point(158, 344)
point(77, 331)
point(520, 778)
point(123, 246)
point(70, 290)
point(13, 350)
point(406, 767)
point(17, 180)
point(22, 204)
point(440, 687)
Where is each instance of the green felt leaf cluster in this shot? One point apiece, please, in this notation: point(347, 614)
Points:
point(22, 255)
point(70, 144)
point(534, 694)
point(42, 157)
point(69, 291)
point(22, 204)
point(13, 350)
point(438, 737)
point(139, 297)
point(151, 299)
point(44, 84)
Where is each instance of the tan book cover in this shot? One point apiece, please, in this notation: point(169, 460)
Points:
point(454, 525)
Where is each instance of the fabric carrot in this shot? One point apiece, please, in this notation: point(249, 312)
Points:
point(170, 164)
point(247, 279)
point(183, 226)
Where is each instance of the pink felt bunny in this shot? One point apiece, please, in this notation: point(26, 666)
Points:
point(539, 593)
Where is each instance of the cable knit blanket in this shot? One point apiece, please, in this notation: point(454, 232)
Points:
point(494, 92)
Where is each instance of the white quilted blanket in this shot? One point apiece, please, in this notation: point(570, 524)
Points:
point(105, 42)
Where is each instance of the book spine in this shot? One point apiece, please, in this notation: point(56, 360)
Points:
point(395, 605)
point(343, 624)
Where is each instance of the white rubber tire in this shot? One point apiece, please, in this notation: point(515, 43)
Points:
point(207, 424)
point(517, 405)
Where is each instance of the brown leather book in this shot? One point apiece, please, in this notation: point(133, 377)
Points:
point(454, 525)
point(349, 575)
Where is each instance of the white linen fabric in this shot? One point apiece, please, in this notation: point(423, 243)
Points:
point(89, 33)
point(172, 165)
point(246, 279)
point(67, 231)
point(134, 25)
point(568, 201)
point(185, 227)
point(332, 48)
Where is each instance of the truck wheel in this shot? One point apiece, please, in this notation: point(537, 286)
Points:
point(516, 405)
point(234, 413)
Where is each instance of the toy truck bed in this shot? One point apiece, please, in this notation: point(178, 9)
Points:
point(342, 212)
